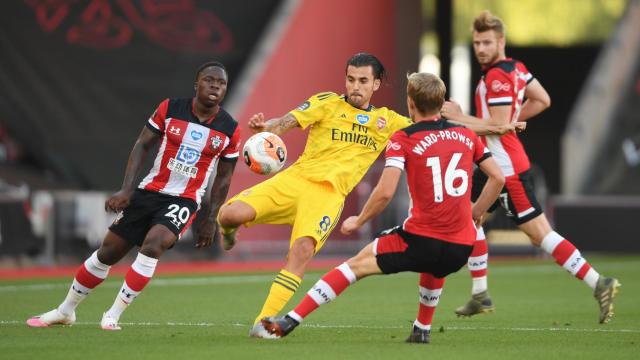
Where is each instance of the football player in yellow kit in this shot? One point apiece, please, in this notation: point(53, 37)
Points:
point(347, 134)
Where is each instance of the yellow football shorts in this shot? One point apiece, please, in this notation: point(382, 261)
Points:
point(313, 209)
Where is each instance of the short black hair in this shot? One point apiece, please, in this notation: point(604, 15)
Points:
point(210, 64)
point(366, 59)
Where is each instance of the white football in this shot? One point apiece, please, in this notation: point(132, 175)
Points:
point(265, 153)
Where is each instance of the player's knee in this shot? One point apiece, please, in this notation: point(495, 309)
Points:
point(113, 248)
point(155, 246)
point(107, 256)
point(303, 249)
point(235, 214)
point(225, 217)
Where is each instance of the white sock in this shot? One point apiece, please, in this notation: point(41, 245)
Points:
point(479, 285)
point(78, 292)
point(136, 279)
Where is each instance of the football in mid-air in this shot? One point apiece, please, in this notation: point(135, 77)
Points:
point(265, 153)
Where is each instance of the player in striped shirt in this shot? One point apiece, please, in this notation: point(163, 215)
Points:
point(196, 135)
point(499, 99)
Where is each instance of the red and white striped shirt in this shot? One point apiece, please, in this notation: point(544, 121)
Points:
point(504, 83)
point(189, 149)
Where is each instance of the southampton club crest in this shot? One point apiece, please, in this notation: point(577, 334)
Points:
point(216, 141)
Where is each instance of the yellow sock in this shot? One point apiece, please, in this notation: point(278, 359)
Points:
point(282, 289)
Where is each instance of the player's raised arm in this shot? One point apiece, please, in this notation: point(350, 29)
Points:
point(537, 101)
point(278, 126)
point(378, 200)
point(145, 141)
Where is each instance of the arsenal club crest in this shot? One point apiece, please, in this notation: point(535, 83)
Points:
point(382, 122)
point(216, 141)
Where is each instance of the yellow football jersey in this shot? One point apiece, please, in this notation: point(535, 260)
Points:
point(343, 140)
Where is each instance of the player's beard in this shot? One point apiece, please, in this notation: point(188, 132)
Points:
point(356, 101)
point(489, 59)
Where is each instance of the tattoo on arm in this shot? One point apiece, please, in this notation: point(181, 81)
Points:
point(281, 125)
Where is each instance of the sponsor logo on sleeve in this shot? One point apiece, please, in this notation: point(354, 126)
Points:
point(304, 106)
point(393, 145)
point(498, 86)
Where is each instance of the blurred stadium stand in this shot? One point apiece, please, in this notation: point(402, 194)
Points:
point(79, 80)
point(600, 201)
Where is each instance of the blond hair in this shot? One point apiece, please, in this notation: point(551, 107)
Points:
point(427, 92)
point(487, 21)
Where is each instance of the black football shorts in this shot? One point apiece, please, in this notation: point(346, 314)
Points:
point(517, 198)
point(148, 208)
point(397, 250)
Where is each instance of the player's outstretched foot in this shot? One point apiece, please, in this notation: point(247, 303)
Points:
point(229, 238)
point(109, 323)
point(419, 336)
point(480, 303)
point(53, 317)
point(279, 326)
point(605, 292)
point(258, 331)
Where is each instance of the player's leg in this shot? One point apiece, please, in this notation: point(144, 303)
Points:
point(528, 215)
point(158, 240)
point(478, 262)
point(440, 258)
point(480, 302)
point(268, 202)
point(569, 257)
point(230, 217)
point(89, 275)
point(287, 281)
point(325, 290)
point(319, 207)
point(430, 289)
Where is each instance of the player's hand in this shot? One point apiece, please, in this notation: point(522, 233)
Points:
point(350, 225)
point(118, 201)
point(208, 233)
point(451, 109)
point(257, 123)
point(478, 216)
point(520, 126)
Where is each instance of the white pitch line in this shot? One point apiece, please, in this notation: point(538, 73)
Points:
point(212, 280)
point(324, 326)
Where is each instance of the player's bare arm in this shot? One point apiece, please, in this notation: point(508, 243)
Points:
point(145, 142)
point(491, 190)
point(278, 126)
point(499, 116)
point(537, 101)
point(453, 112)
point(378, 200)
point(208, 228)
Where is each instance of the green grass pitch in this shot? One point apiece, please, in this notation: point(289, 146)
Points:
point(541, 313)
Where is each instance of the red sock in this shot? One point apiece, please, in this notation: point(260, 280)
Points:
point(87, 279)
point(567, 256)
point(325, 290)
point(430, 290)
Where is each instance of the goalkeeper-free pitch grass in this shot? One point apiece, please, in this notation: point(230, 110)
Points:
point(542, 313)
